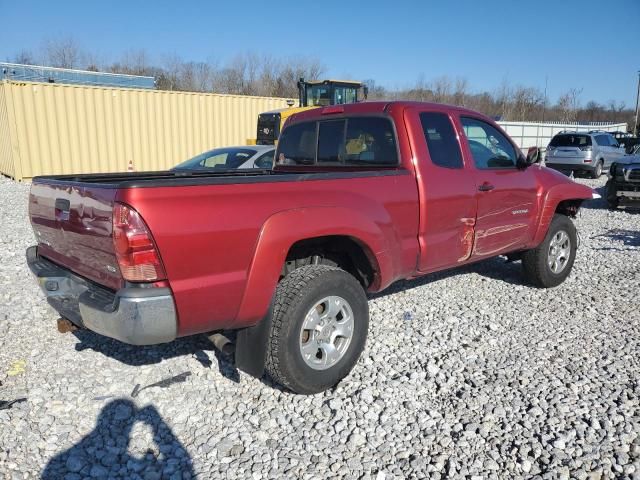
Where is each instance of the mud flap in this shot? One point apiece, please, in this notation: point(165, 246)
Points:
point(251, 346)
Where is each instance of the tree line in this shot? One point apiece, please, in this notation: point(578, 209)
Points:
point(264, 75)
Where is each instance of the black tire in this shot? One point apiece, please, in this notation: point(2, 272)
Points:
point(597, 171)
point(535, 261)
point(610, 194)
point(295, 296)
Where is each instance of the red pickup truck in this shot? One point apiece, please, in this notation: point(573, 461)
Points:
point(360, 196)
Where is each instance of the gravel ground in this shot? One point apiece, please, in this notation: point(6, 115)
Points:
point(467, 374)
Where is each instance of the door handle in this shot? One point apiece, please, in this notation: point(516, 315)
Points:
point(485, 187)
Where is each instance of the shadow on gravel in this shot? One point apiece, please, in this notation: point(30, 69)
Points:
point(105, 452)
point(198, 345)
point(629, 238)
point(496, 268)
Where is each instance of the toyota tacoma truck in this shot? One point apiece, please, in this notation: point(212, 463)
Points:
point(360, 196)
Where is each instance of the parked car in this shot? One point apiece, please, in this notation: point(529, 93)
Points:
point(626, 140)
point(254, 156)
point(623, 186)
point(361, 196)
point(591, 152)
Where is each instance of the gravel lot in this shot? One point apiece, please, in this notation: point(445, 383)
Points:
point(467, 374)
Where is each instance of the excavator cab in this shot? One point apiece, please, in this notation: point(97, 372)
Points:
point(311, 94)
point(320, 93)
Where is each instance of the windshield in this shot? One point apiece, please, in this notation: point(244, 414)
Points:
point(323, 95)
point(570, 140)
point(219, 158)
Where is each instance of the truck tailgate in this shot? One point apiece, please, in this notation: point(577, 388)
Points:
point(73, 227)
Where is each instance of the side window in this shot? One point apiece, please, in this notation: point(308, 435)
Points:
point(370, 141)
point(444, 149)
point(612, 141)
point(297, 144)
point(265, 161)
point(490, 148)
point(602, 140)
point(330, 141)
point(215, 160)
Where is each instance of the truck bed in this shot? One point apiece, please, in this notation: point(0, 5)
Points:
point(208, 225)
point(170, 178)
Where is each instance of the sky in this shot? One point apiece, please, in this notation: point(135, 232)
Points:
point(585, 44)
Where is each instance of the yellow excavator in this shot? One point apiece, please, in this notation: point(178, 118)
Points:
point(311, 94)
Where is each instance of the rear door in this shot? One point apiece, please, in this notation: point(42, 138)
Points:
point(506, 195)
point(605, 149)
point(446, 187)
point(616, 152)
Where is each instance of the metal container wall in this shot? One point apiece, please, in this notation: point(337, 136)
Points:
point(6, 145)
point(59, 129)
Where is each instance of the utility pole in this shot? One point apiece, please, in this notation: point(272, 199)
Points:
point(635, 127)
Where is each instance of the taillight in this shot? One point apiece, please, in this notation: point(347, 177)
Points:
point(135, 249)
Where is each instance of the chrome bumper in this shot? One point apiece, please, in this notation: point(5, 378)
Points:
point(134, 315)
point(627, 194)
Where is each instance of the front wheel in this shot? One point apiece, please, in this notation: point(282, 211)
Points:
point(319, 328)
point(550, 263)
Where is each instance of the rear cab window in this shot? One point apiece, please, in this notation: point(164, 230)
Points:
point(441, 138)
point(358, 141)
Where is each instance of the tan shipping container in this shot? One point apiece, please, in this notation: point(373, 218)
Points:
point(59, 129)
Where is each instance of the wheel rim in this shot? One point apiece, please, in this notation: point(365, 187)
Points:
point(559, 252)
point(599, 169)
point(326, 332)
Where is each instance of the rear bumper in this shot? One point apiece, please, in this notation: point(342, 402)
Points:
point(567, 167)
point(134, 315)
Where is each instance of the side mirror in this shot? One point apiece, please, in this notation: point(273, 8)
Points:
point(533, 156)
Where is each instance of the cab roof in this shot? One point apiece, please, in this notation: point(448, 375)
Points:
point(344, 82)
point(379, 107)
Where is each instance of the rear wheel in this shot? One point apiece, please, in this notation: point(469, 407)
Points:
point(597, 171)
point(550, 263)
point(319, 328)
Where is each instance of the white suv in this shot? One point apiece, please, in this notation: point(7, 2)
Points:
point(590, 152)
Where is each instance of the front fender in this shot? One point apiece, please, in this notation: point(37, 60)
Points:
point(550, 201)
point(285, 228)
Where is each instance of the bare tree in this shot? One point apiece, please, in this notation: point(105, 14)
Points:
point(460, 91)
point(526, 100)
point(24, 57)
point(63, 53)
point(568, 105)
point(504, 97)
point(441, 88)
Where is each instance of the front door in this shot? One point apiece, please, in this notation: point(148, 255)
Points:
point(506, 194)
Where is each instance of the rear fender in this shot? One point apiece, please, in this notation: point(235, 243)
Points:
point(283, 229)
